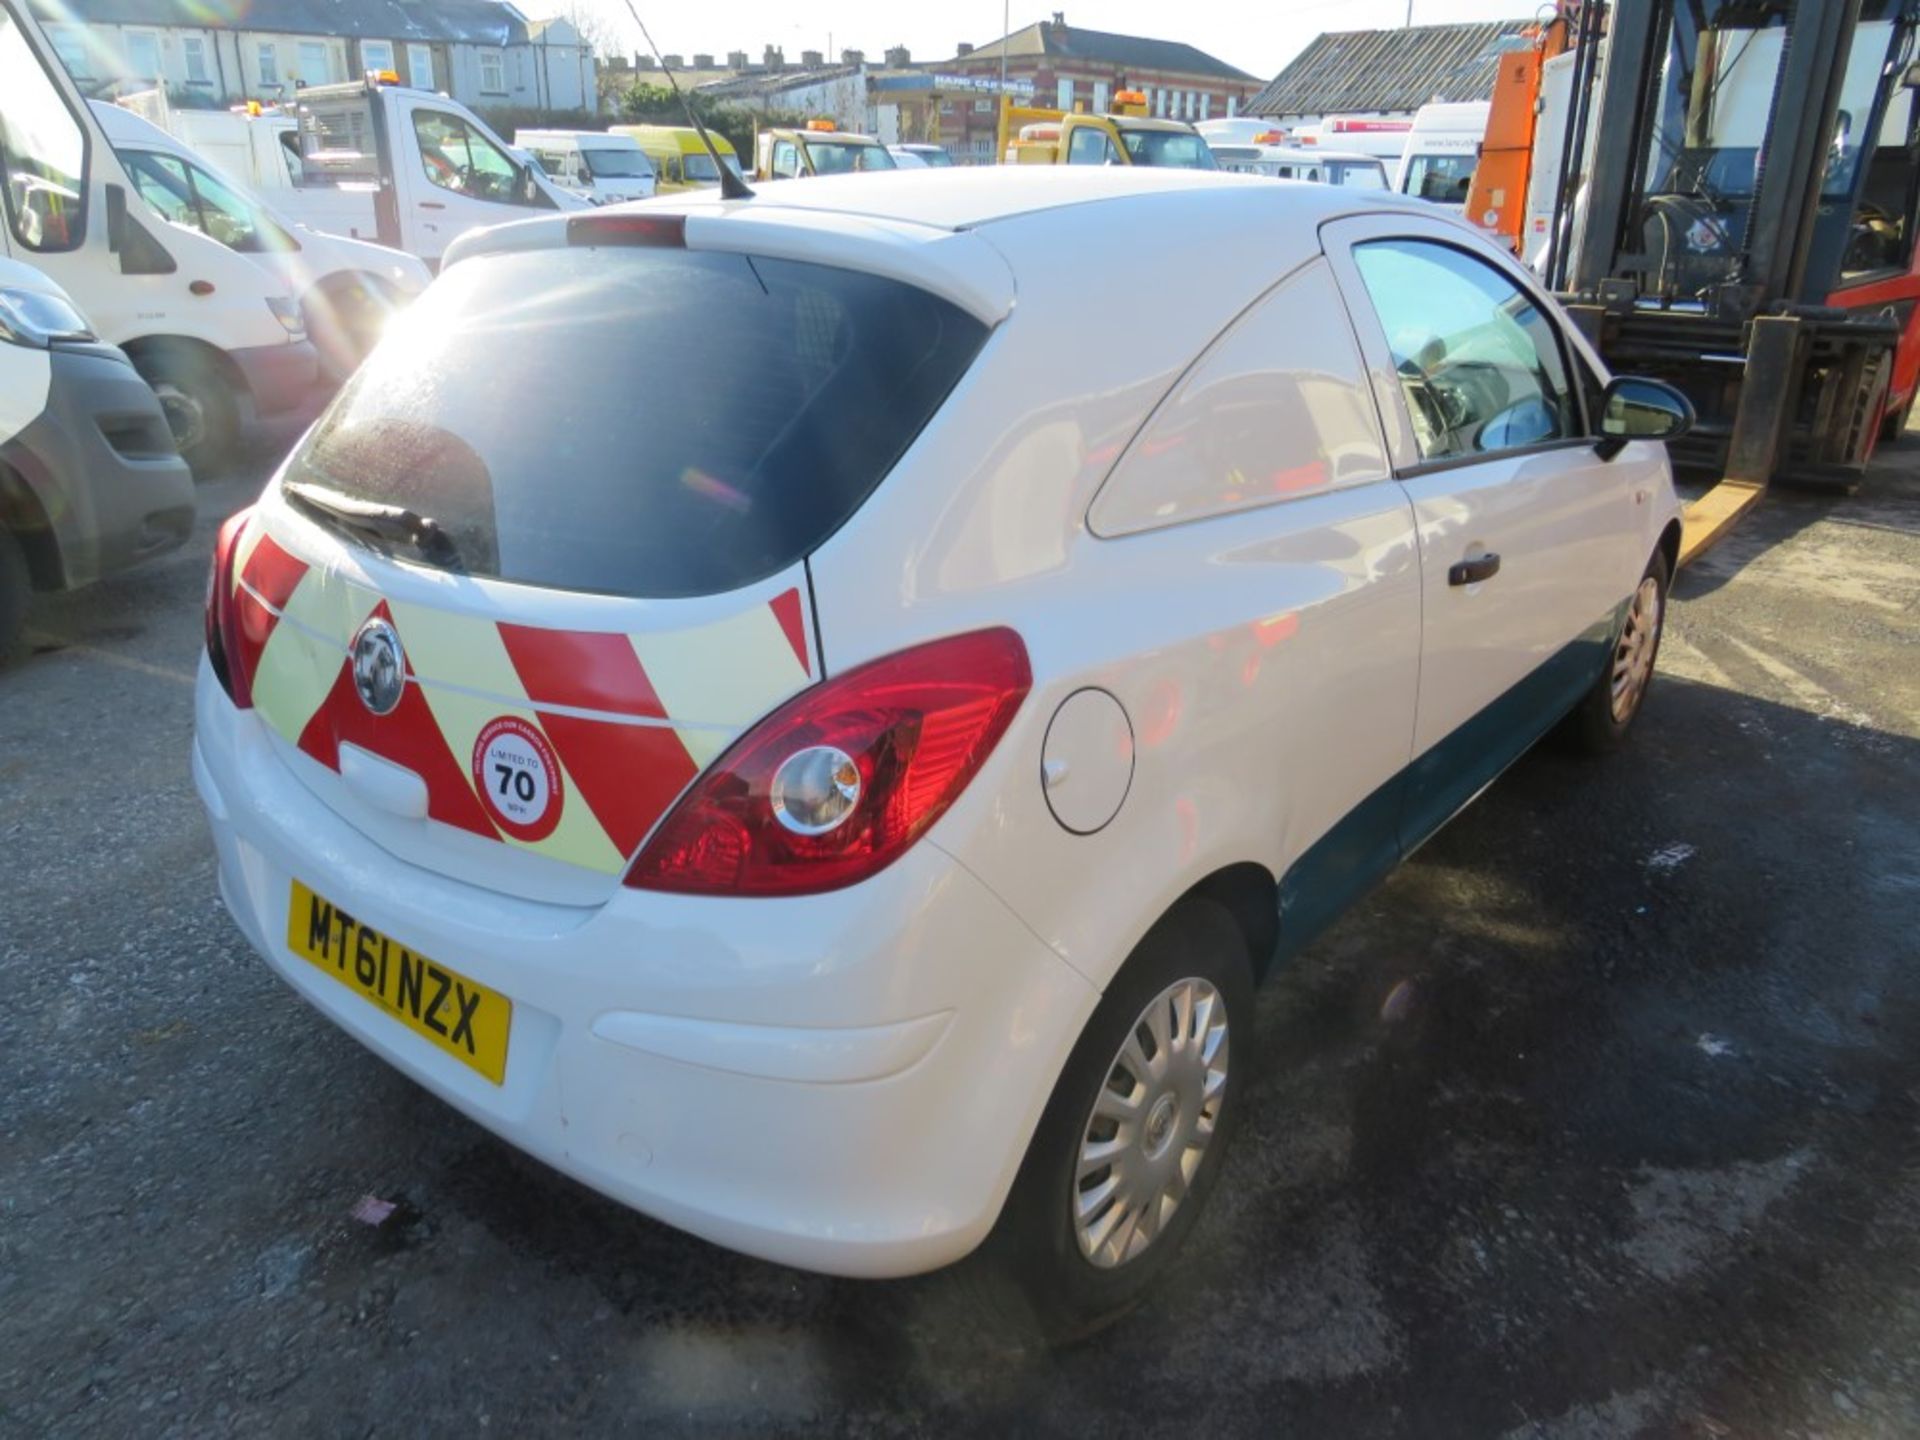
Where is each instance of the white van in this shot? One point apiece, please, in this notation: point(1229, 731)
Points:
point(89, 480)
point(407, 168)
point(593, 164)
point(1304, 162)
point(1382, 136)
point(217, 337)
point(1443, 150)
point(346, 288)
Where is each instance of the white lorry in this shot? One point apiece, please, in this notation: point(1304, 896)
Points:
point(346, 288)
point(218, 338)
point(1443, 150)
point(406, 168)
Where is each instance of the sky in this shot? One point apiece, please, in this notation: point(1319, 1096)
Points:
point(1258, 36)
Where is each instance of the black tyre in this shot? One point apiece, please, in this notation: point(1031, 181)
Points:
point(1131, 1143)
point(199, 406)
point(16, 589)
point(1602, 719)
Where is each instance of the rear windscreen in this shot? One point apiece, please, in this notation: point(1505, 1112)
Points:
point(639, 421)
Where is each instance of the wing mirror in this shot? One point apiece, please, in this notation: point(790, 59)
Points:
point(1632, 408)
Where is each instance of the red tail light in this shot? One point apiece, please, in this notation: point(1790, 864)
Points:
point(865, 763)
point(223, 636)
point(646, 228)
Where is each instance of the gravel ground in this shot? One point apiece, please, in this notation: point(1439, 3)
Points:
point(1602, 1117)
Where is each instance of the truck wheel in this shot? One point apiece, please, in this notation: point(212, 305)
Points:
point(1132, 1140)
point(199, 407)
point(16, 588)
point(1601, 720)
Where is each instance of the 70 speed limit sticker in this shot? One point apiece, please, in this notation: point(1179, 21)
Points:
point(518, 777)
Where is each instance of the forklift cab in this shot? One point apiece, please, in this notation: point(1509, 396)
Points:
point(1709, 150)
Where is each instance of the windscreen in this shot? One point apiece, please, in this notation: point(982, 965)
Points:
point(838, 157)
point(1176, 148)
point(650, 422)
point(616, 164)
point(699, 166)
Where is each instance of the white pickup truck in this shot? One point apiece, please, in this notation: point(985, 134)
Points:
point(406, 168)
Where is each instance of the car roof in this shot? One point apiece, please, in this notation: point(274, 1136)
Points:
point(967, 233)
point(978, 195)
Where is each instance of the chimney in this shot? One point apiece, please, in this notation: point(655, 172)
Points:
point(736, 59)
point(703, 62)
point(674, 62)
point(811, 59)
point(1059, 19)
point(899, 58)
point(963, 48)
point(853, 57)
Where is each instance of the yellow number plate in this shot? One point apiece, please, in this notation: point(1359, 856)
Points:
point(437, 1003)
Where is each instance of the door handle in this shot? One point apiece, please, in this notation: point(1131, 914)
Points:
point(431, 205)
point(1468, 572)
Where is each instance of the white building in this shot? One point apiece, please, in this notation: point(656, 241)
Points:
point(481, 52)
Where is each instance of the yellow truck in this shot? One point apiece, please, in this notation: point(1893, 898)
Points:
point(819, 149)
point(1126, 135)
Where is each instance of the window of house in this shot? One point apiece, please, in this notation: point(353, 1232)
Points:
point(1206, 107)
point(493, 71)
point(1479, 360)
point(376, 54)
point(44, 177)
point(983, 107)
point(315, 68)
point(71, 46)
point(1102, 97)
point(193, 54)
point(1233, 105)
point(420, 66)
point(1063, 90)
point(269, 64)
point(143, 55)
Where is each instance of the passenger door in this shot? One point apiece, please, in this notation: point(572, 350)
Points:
point(456, 179)
point(1529, 540)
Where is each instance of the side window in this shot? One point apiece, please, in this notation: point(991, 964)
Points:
point(456, 157)
point(43, 151)
point(1088, 147)
point(786, 160)
point(1278, 408)
point(162, 183)
point(1480, 362)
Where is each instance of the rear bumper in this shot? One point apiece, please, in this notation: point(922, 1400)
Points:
point(278, 377)
point(99, 462)
point(843, 1082)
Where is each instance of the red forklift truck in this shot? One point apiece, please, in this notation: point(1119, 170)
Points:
point(1745, 228)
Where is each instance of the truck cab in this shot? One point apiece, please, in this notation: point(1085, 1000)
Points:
point(218, 338)
point(819, 149)
point(1125, 136)
point(1443, 150)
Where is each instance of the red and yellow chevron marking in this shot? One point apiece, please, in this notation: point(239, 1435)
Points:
point(630, 718)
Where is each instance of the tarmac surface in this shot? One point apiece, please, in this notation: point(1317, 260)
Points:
point(1600, 1118)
